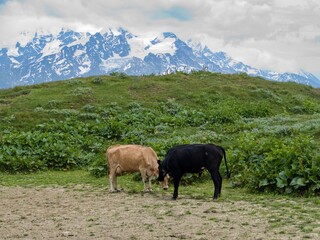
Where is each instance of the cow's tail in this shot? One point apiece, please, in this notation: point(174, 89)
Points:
point(225, 161)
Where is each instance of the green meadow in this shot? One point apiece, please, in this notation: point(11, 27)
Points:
point(270, 130)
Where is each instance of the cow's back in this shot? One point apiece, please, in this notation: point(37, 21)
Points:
point(191, 157)
point(126, 157)
point(187, 158)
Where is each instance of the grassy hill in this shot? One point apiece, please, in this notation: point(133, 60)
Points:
point(198, 90)
point(69, 124)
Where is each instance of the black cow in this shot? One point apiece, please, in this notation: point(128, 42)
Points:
point(193, 158)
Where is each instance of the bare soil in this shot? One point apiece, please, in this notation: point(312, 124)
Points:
point(83, 212)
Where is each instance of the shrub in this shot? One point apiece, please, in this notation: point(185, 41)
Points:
point(53, 103)
point(253, 110)
point(97, 80)
point(303, 105)
point(134, 106)
point(224, 115)
point(82, 91)
point(99, 167)
point(89, 108)
point(58, 145)
point(121, 75)
point(74, 82)
point(170, 107)
point(35, 150)
point(286, 164)
point(267, 94)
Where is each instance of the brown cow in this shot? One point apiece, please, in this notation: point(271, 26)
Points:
point(132, 158)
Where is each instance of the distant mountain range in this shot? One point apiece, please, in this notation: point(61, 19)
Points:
point(71, 54)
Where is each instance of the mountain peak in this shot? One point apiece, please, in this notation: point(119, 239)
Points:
point(70, 54)
point(196, 45)
point(169, 35)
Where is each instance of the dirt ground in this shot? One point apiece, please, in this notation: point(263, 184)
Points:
point(81, 212)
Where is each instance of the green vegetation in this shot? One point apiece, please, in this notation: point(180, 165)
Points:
point(271, 130)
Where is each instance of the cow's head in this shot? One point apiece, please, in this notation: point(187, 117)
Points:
point(163, 177)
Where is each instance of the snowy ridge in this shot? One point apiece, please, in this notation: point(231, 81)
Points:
point(46, 57)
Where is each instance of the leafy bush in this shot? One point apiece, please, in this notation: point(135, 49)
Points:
point(224, 115)
point(253, 110)
point(286, 164)
point(53, 103)
point(33, 151)
point(57, 145)
point(99, 167)
point(82, 91)
point(89, 108)
point(170, 107)
point(121, 75)
point(267, 94)
point(303, 105)
point(97, 80)
point(74, 82)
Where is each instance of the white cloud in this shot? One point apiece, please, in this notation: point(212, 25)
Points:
point(277, 35)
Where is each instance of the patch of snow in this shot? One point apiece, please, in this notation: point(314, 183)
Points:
point(13, 51)
point(165, 46)
point(114, 63)
point(137, 46)
point(60, 66)
point(14, 61)
point(127, 67)
point(51, 48)
point(85, 67)
point(81, 41)
point(110, 31)
point(233, 63)
point(79, 52)
point(252, 71)
point(142, 46)
point(60, 62)
point(195, 45)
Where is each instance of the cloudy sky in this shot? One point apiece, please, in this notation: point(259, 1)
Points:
point(279, 35)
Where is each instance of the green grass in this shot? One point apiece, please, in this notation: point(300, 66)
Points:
point(200, 190)
point(49, 178)
point(195, 90)
point(171, 112)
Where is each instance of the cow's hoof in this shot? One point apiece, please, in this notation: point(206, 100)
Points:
point(115, 190)
point(174, 198)
point(147, 190)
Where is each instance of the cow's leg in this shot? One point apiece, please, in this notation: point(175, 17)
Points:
point(176, 182)
point(113, 178)
point(216, 181)
point(220, 180)
point(117, 172)
point(150, 184)
point(144, 176)
point(112, 181)
point(150, 175)
point(115, 183)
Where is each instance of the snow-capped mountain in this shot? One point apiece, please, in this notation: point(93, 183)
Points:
point(69, 54)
